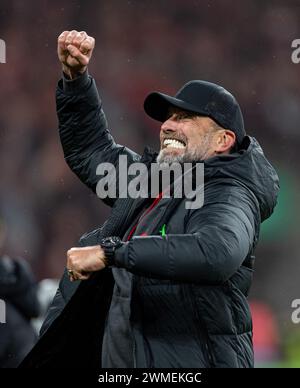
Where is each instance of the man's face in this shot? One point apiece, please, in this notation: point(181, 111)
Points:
point(186, 137)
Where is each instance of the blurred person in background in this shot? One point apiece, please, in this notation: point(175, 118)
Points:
point(19, 292)
point(266, 335)
point(148, 300)
point(46, 290)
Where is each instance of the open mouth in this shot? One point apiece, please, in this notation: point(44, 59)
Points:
point(174, 143)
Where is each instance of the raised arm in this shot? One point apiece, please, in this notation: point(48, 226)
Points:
point(83, 128)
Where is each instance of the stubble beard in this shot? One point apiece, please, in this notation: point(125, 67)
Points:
point(191, 154)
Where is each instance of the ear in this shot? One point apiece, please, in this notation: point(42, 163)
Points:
point(225, 140)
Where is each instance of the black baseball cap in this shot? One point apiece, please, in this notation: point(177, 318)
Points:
point(201, 97)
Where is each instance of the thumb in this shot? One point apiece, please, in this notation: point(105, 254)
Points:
point(77, 54)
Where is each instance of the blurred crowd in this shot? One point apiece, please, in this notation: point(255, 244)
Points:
point(143, 46)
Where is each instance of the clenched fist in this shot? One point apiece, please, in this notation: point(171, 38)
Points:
point(82, 262)
point(75, 51)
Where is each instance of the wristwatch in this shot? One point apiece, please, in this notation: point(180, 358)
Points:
point(109, 245)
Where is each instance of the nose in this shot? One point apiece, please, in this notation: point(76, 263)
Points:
point(169, 126)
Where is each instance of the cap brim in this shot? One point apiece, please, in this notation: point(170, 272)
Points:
point(157, 106)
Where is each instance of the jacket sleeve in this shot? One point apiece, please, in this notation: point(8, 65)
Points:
point(218, 238)
point(83, 131)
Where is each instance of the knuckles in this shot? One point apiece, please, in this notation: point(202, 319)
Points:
point(72, 256)
point(74, 262)
point(78, 38)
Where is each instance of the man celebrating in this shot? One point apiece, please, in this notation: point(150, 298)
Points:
point(159, 285)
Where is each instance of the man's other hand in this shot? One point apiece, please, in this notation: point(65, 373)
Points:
point(75, 51)
point(82, 262)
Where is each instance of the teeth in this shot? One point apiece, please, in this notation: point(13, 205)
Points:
point(173, 143)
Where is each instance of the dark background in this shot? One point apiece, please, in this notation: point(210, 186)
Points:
point(143, 46)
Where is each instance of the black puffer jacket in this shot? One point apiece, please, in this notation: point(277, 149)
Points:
point(188, 301)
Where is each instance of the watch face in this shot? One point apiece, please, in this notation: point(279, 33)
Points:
point(110, 241)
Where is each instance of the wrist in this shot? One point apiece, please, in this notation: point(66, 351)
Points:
point(109, 246)
point(76, 85)
point(71, 73)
